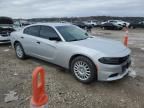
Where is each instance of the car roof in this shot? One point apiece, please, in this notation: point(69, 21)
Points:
point(52, 24)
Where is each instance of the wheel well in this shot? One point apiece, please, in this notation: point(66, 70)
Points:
point(16, 43)
point(74, 56)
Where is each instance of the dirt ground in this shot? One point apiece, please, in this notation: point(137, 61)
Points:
point(66, 92)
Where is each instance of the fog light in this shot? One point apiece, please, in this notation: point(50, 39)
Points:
point(114, 75)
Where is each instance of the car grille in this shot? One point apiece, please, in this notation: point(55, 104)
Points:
point(4, 33)
point(123, 59)
point(126, 66)
point(114, 60)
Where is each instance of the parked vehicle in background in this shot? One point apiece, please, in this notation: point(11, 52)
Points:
point(118, 22)
point(24, 23)
point(92, 23)
point(137, 25)
point(87, 57)
point(111, 26)
point(82, 25)
point(6, 27)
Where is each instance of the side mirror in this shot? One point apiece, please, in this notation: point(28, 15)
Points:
point(54, 38)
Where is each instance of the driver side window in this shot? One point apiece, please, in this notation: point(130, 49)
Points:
point(47, 32)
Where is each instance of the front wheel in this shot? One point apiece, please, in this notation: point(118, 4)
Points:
point(83, 69)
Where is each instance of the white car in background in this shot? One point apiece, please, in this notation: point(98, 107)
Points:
point(6, 27)
point(118, 22)
point(92, 23)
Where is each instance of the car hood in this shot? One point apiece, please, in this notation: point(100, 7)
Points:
point(6, 20)
point(105, 46)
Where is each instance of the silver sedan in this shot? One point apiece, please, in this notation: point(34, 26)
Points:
point(66, 45)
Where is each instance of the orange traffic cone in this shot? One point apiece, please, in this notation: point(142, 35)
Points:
point(39, 98)
point(126, 40)
point(126, 37)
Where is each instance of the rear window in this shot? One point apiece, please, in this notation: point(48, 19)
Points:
point(32, 30)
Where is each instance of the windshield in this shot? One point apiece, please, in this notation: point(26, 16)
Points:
point(72, 33)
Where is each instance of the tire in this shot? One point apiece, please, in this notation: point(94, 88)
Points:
point(120, 28)
point(83, 69)
point(20, 51)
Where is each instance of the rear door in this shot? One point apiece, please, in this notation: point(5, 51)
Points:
point(29, 39)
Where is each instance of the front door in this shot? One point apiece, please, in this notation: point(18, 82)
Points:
point(47, 49)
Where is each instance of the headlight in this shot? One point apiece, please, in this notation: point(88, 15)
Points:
point(114, 60)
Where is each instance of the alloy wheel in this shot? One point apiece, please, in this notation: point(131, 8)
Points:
point(81, 70)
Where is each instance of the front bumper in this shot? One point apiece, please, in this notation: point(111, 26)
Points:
point(114, 72)
point(119, 76)
point(4, 39)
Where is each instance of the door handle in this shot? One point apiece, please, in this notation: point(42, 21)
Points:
point(22, 37)
point(38, 42)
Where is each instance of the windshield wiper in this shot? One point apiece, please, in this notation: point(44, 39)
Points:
point(73, 40)
point(78, 39)
point(84, 38)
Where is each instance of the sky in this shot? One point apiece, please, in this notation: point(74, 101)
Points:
point(70, 8)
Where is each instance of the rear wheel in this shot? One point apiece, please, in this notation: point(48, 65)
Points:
point(120, 28)
point(83, 69)
point(19, 51)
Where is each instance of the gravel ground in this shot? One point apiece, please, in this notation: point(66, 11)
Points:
point(66, 92)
